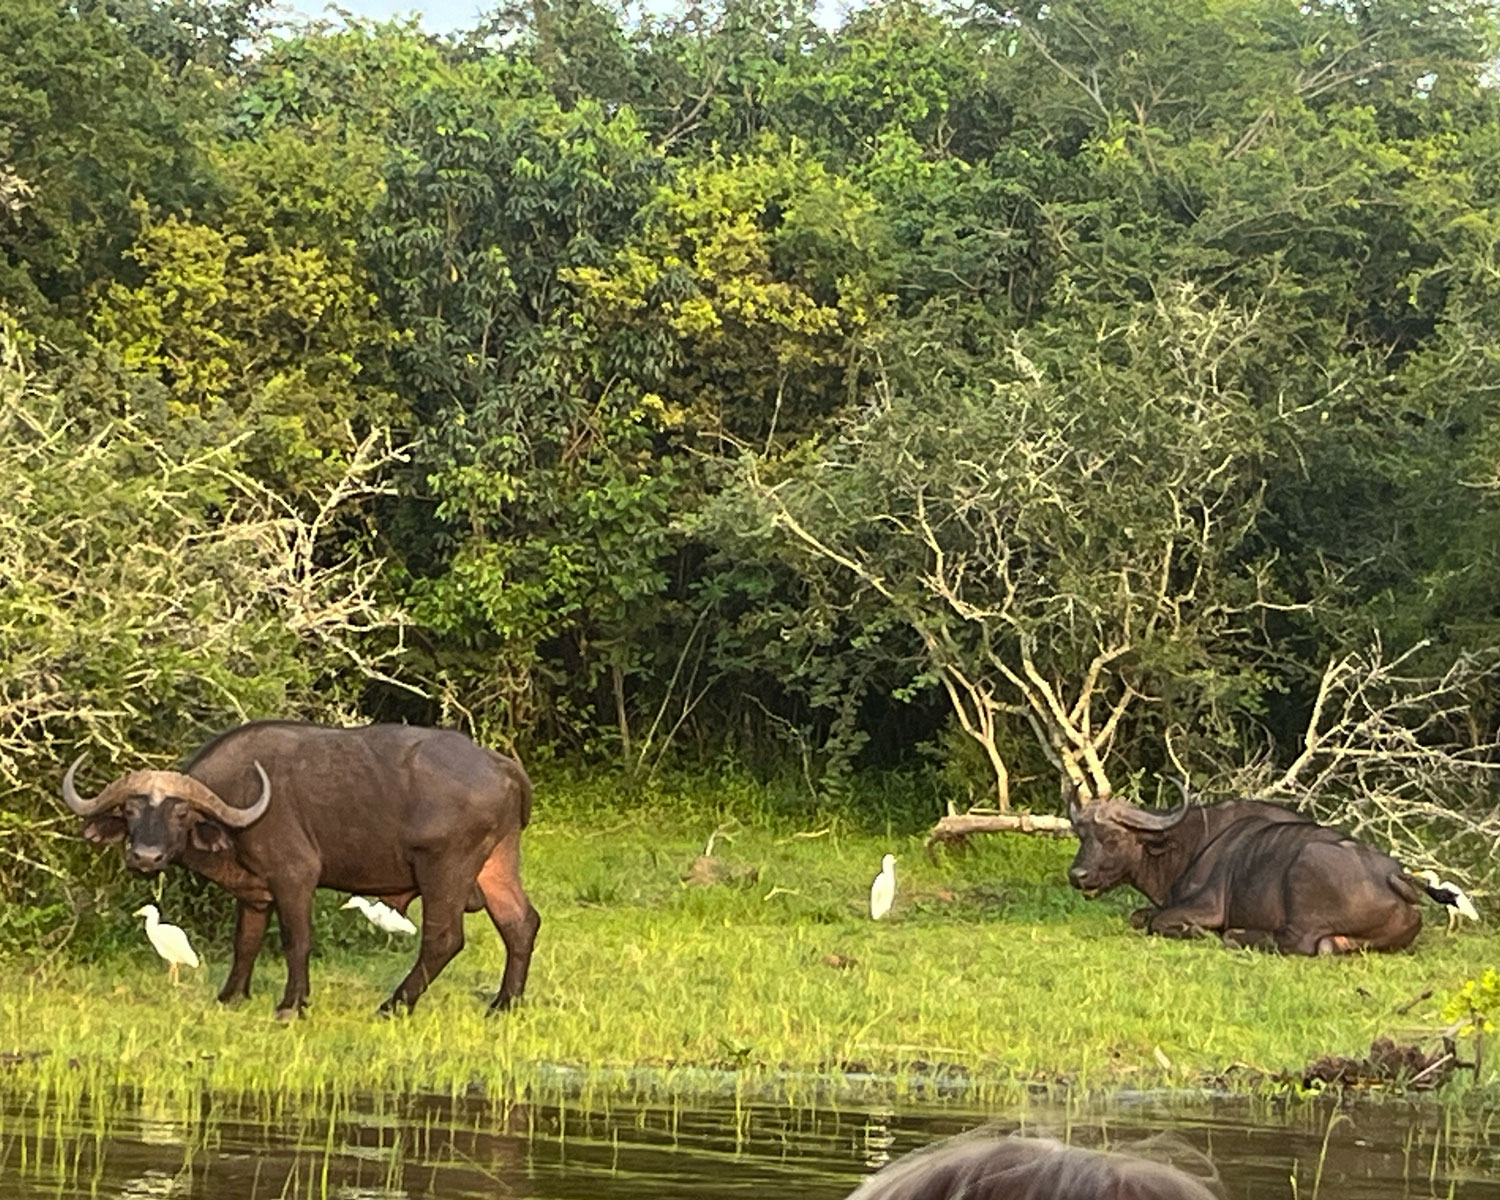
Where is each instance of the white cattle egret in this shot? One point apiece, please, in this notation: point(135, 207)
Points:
point(381, 916)
point(1459, 905)
point(170, 942)
point(883, 890)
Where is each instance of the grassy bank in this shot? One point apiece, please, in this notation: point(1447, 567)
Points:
point(991, 970)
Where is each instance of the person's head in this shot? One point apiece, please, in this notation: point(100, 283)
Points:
point(983, 1167)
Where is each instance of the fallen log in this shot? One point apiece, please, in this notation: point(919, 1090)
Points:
point(955, 829)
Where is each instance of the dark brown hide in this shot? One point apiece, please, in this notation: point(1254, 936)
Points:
point(983, 1168)
point(391, 811)
point(1257, 874)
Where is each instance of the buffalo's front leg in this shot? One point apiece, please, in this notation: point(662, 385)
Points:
point(1175, 927)
point(443, 899)
point(249, 929)
point(1189, 919)
point(294, 913)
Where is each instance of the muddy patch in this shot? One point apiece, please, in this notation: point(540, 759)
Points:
point(1389, 1065)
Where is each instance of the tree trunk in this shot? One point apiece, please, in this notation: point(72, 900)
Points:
point(958, 827)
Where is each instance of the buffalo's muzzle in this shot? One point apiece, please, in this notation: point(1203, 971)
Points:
point(148, 862)
point(1078, 877)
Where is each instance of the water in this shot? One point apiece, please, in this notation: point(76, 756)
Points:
point(412, 1148)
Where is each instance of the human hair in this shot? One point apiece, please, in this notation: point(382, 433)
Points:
point(986, 1167)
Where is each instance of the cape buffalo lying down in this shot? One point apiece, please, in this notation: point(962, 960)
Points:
point(275, 809)
point(979, 1167)
point(1255, 873)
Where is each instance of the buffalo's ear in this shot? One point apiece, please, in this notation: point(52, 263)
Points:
point(211, 837)
point(110, 827)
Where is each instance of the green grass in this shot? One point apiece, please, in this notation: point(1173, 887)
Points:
point(990, 964)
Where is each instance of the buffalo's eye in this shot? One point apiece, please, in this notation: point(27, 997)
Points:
point(133, 805)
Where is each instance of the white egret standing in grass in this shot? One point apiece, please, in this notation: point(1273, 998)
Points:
point(883, 890)
point(1459, 904)
point(170, 942)
point(381, 916)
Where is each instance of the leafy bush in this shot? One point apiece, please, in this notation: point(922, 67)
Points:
point(147, 597)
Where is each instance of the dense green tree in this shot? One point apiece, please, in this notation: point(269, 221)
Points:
point(807, 395)
point(93, 126)
point(750, 283)
point(265, 326)
point(182, 35)
point(552, 510)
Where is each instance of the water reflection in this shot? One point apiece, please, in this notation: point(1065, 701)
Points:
point(162, 1131)
point(878, 1139)
point(150, 1185)
point(423, 1148)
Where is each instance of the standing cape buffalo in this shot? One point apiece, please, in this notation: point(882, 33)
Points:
point(275, 809)
point(1257, 874)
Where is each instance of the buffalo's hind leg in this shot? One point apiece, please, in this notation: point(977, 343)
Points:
point(1249, 939)
point(442, 931)
point(1316, 943)
point(516, 920)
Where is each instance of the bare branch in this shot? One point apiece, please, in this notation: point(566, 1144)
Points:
point(958, 828)
point(1398, 757)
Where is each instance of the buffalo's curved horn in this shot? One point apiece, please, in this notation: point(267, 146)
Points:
point(201, 796)
point(108, 798)
point(133, 784)
point(1144, 818)
point(194, 791)
point(1070, 794)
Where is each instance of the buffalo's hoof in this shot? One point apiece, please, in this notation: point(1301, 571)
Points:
point(502, 1004)
point(1248, 939)
point(1139, 917)
point(285, 1013)
point(1176, 929)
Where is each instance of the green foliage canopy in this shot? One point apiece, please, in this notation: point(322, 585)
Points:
point(798, 396)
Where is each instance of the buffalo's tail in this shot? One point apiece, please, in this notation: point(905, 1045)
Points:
point(1406, 886)
point(512, 766)
point(526, 801)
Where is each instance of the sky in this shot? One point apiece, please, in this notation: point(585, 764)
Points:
point(438, 16)
point(446, 16)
